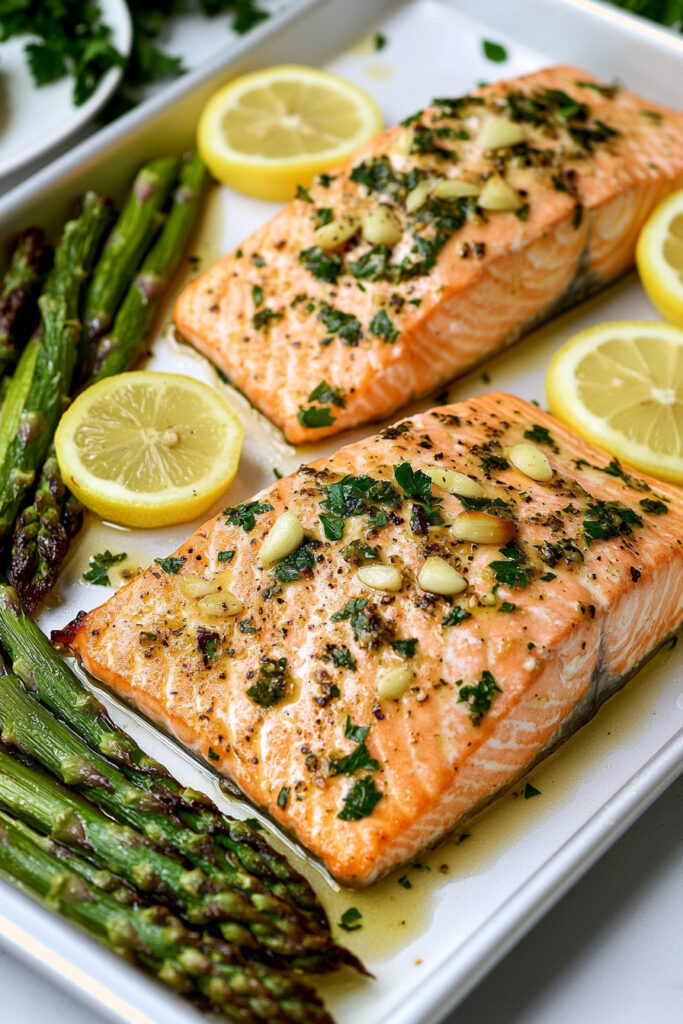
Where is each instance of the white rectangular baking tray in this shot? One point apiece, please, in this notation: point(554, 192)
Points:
point(428, 945)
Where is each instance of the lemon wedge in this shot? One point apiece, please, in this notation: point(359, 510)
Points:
point(148, 449)
point(659, 256)
point(269, 131)
point(621, 386)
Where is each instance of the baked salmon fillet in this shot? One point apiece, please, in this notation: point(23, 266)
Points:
point(440, 242)
point(460, 592)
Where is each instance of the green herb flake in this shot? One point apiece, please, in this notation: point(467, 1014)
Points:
point(653, 506)
point(303, 193)
point(171, 565)
point(540, 435)
point(346, 326)
point(530, 791)
point(98, 573)
point(271, 682)
point(226, 556)
point(361, 800)
point(510, 572)
point(283, 797)
point(548, 577)
point(333, 525)
point(406, 648)
point(315, 417)
point(341, 656)
point(350, 920)
point(507, 606)
point(380, 41)
point(324, 392)
point(300, 561)
point(405, 882)
point(322, 265)
point(244, 515)
point(455, 616)
point(257, 294)
point(494, 51)
point(265, 317)
point(257, 260)
point(382, 327)
point(479, 696)
point(254, 824)
point(213, 756)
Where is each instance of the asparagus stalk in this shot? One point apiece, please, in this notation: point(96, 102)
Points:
point(126, 246)
point(18, 293)
point(209, 972)
point(42, 534)
point(120, 349)
point(55, 360)
point(41, 668)
point(27, 725)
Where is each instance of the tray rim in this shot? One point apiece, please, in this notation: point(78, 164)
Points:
point(512, 920)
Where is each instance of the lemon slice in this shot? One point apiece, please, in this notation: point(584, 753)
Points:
point(659, 256)
point(621, 385)
point(148, 449)
point(269, 131)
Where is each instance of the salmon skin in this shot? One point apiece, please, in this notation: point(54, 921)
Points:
point(370, 722)
point(322, 338)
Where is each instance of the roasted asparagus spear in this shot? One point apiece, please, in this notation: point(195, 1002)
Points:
point(19, 291)
point(211, 972)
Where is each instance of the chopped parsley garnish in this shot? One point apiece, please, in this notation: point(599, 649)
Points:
point(283, 797)
point(323, 216)
point(494, 51)
point(315, 416)
point(244, 515)
point(257, 294)
point(418, 486)
point(257, 260)
point(226, 556)
point(345, 325)
point(271, 682)
point(303, 193)
point(324, 266)
point(490, 456)
point(333, 525)
point(265, 317)
point(324, 392)
point(608, 91)
point(361, 799)
point(359, 553)
point(548, 577)
point(300, 561)
point(213, 756)
point(352, 607)
point(455, 616)
point(100, 564)
point(359, 759)
point(341, 656)
point(382, 326)
point(406, 648)
point(380, 41)
point(479, 696)
point(350, 920)
point(372, 265)
point(510, 572)
point(405, 881)
point(507, 606)
point(653, 506)
point(171, 565)
point(607, 519)
point(540, 435)
point(247, 626)
point(530, 791)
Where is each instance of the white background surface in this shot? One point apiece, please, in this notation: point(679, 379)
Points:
point(609, 952)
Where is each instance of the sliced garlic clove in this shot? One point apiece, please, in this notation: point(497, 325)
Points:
point(382, 227)
point(499, 133)
point(380, 577)
point(394, 683)
point(224, 603)
point(417, 196)
point(438, 577)
point(454, 188)
point(531, 461)
point(336, 233)
point(195, 587)
point(284, 536)
point(497, 194)
point(455, 483)
point(482, 528)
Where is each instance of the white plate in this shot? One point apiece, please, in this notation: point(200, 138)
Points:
point(33, 120)
point(427, 945)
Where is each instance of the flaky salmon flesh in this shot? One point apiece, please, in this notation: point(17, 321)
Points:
point(468, 587)
point(382, 282)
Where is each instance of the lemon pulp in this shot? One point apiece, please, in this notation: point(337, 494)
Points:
point(269, 131)
point(621, 385)
point(148, 449)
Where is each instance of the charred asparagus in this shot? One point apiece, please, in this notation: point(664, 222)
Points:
point(19, 291)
